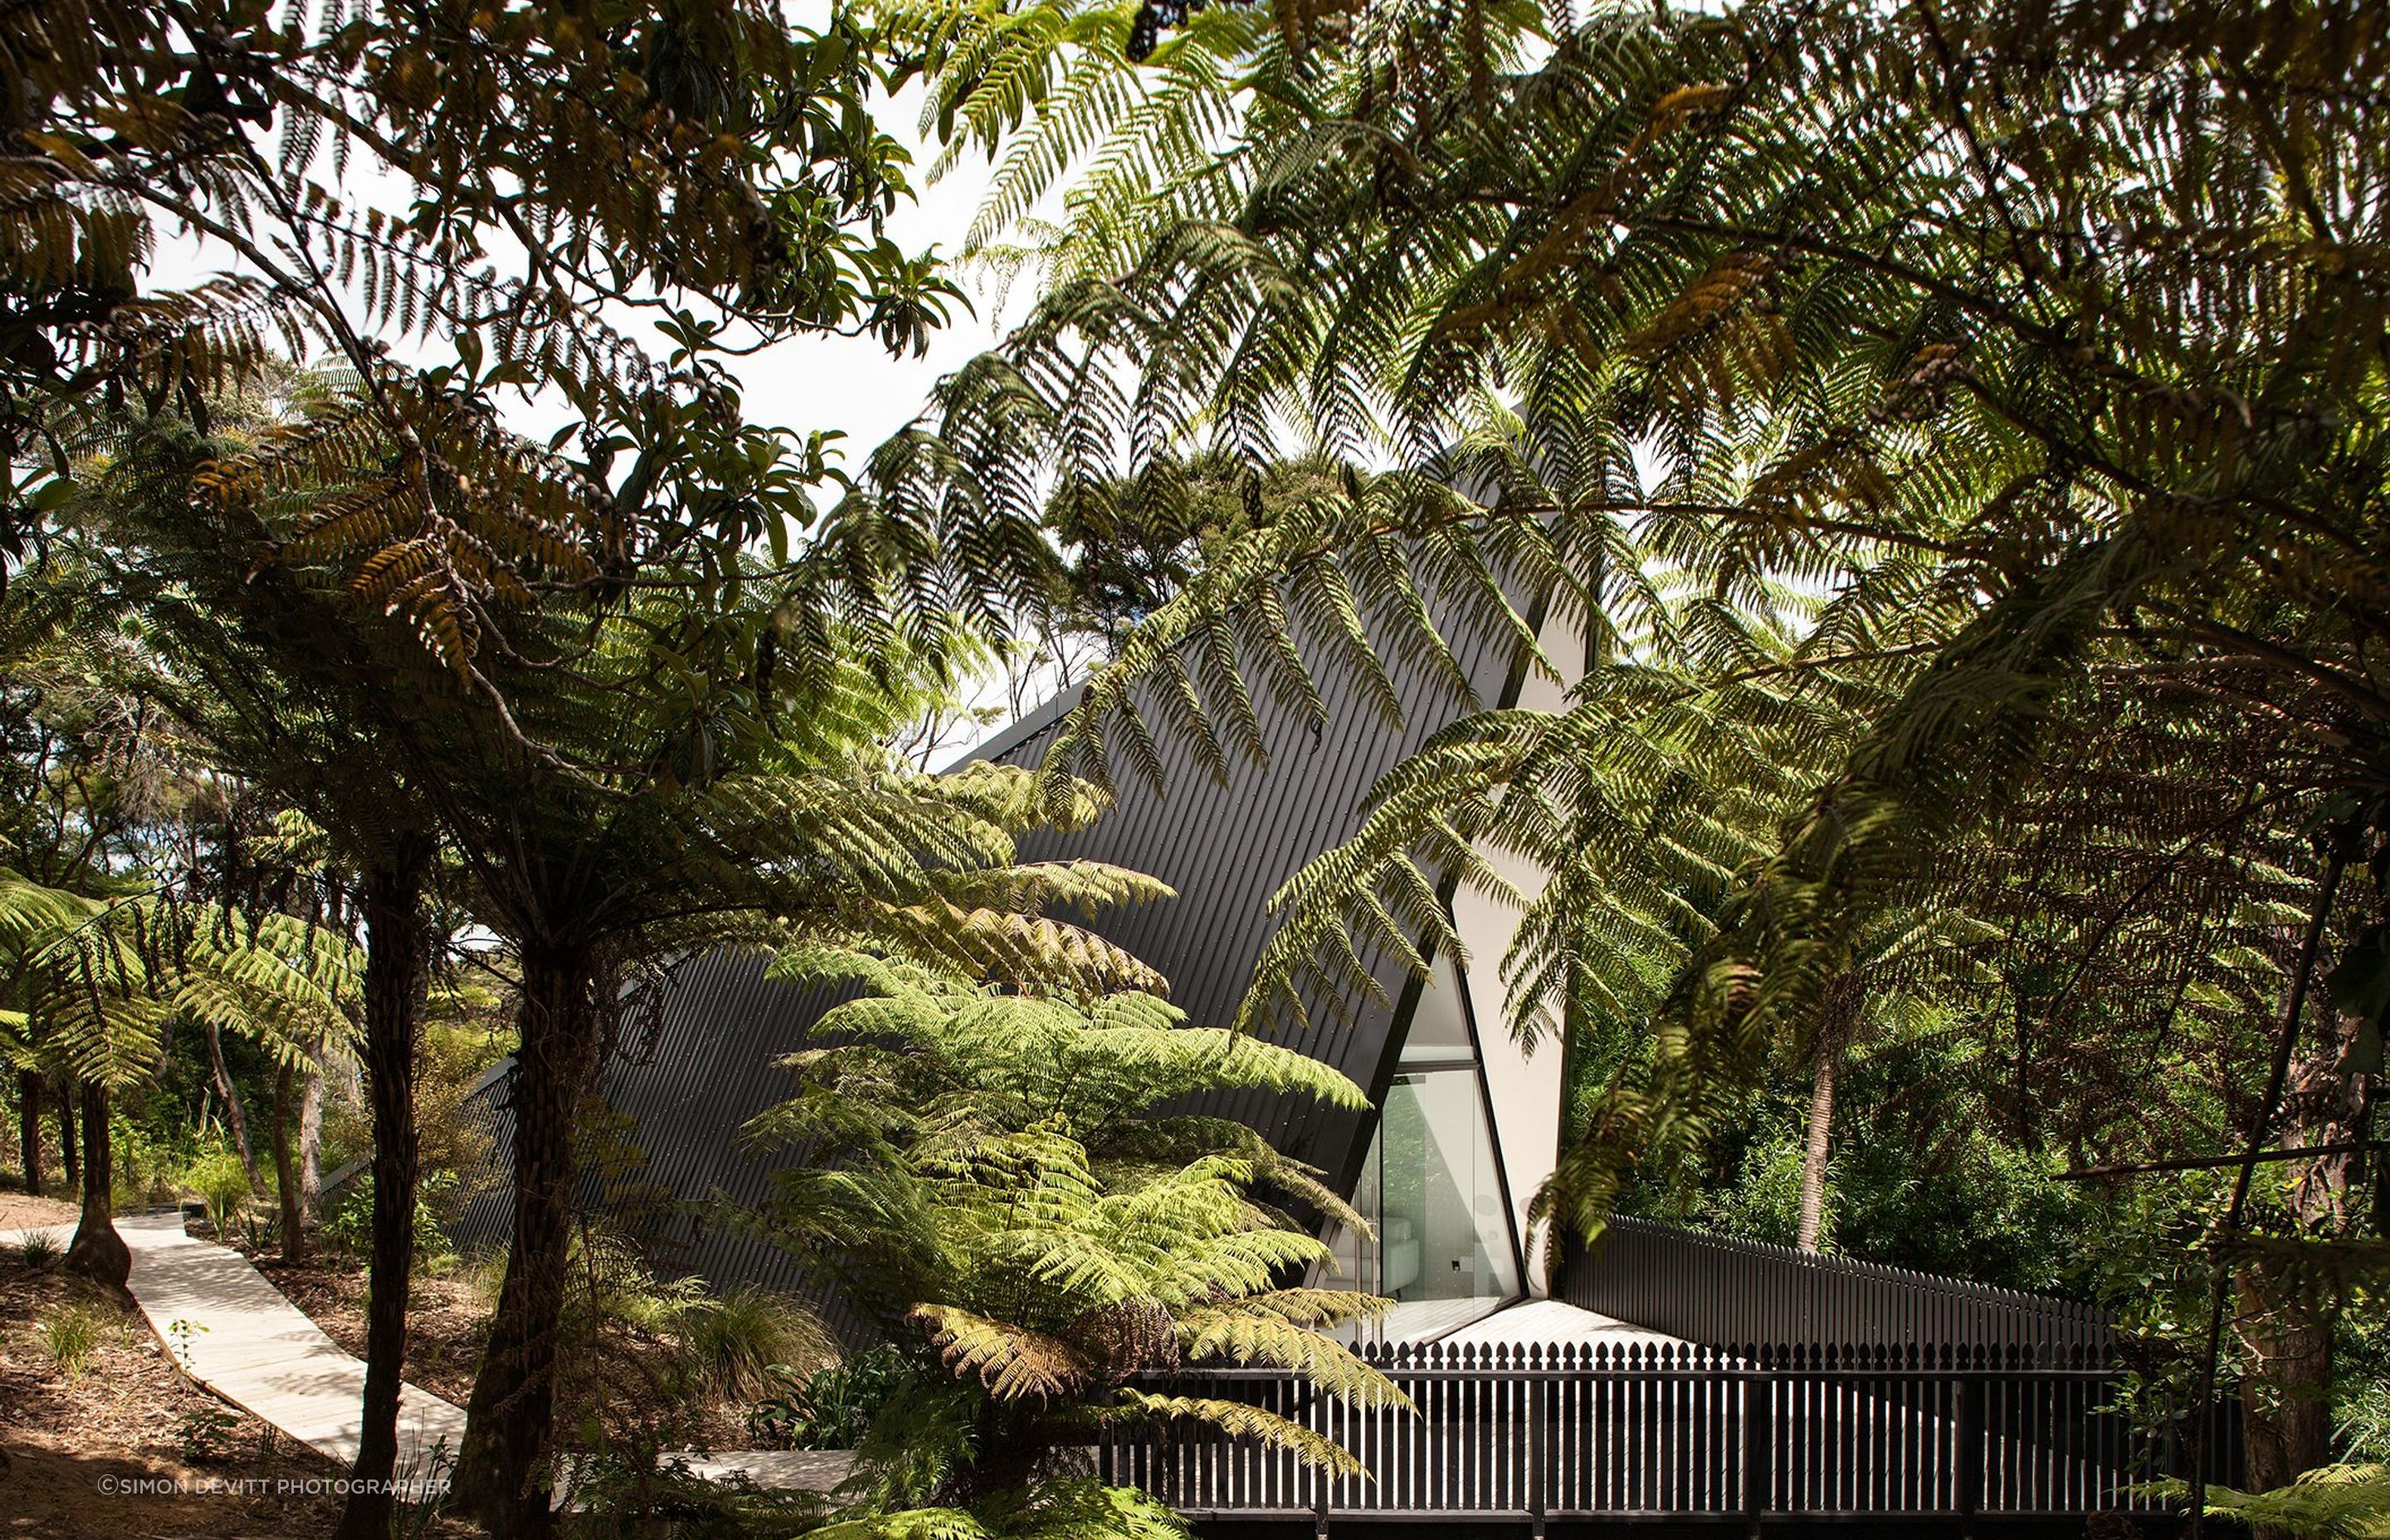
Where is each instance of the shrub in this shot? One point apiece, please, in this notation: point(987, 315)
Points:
point(979, 1174)
point(149, 1167)
point(219, 1177)
point(610, 1284)
point(182, 1332)
point(736, 1340)
point(70, 1335)
point(40, 1248)
point(482, 1273)
point(205, 1435)
point(349, 1226)
point(832, 1408)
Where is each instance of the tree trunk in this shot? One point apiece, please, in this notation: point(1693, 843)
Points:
point(293, 1227)
point(1813, 1158)
point(311, 1143)
point(69, 1147)
point(2287, 1319)
point(514, 1397)
point(2327, 1100)
point(235, 1120)
point(397, 949)
point(2286, 1403)
point(98, 1251)
point(1839, 1016)
point(28, 1128)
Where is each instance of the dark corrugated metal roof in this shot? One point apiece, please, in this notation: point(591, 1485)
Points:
point(1224, 847)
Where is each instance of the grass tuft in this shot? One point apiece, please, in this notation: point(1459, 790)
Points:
point(737, 1337)
point(40, 1248)
point(70, 1335)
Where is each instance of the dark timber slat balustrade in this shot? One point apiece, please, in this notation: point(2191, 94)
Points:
point(1602, 1431)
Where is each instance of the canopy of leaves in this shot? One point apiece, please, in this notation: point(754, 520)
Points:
point(2053, 394)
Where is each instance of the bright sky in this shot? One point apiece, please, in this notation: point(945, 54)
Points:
point(831, 382)
point(847, 384)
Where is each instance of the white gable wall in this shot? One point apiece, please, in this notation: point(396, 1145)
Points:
point(1522, 1083)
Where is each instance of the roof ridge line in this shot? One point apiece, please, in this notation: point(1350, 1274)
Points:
point(1028, 726)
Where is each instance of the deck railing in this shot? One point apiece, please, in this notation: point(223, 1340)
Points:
point(1713, 1288)
point(1535, 1433)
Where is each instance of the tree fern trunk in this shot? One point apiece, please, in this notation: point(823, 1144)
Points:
point(396, 962)
point(98, 1252)
point(69, 1147)
point(293, 1228)
point(311, 1143)
point(236, 1119)
point(29, 1129)
point(513, 1404)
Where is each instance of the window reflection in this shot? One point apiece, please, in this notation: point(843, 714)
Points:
point(1431, 1192)
point(1429, 1186)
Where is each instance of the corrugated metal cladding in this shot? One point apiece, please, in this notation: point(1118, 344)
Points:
point(702, 1068)
point(1223, 848)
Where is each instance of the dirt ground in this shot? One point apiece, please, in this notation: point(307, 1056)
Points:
point(131, 1449)
point(19, 1211)
point(445, 1320)
point(105, 1453)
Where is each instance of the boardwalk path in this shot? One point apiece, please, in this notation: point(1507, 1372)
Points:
point(235, 1333)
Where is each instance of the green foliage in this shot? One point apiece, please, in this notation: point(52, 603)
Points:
point(103, 978)
point(204, 1435)
point(481, 1273)
point(72, 1333)
point(2335, 1502)
point(1939, 455)
point(648, 769)
point(220, 1178)
point(643, 1359)
point(742, 200)
point(182, 1333)
point(740, 1336)
point(1763, 1200)
point(626, 1496)
point(1054, 1510)
point(833, 1407)
point(2361, 1396)
point(348, 1222)
point(986, 1176)
point(1896, 351)
point(1920, 1177)
point(152, 1142)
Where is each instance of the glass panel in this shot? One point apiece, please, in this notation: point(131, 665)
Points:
point(1355, 1261)
point(1438, 1211)
point(1439, 1031)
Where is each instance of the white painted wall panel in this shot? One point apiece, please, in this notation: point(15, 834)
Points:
point(1523, 1081)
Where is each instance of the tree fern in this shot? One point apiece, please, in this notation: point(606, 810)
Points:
point(2339, 1502)
point(984, 1173)
point(2013, 370)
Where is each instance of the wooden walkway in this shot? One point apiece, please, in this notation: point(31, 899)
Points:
point(235, 1334)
